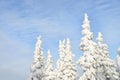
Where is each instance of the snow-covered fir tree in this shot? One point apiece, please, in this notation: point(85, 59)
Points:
point(87, 45)
point(95, 62)
point(70, 72)
point(49, 71)
point(37, 67)
point(60, 67)
point(105, 66)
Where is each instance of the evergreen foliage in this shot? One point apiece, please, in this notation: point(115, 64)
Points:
point(95, 61)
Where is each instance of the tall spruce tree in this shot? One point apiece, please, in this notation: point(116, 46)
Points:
point(37, 67)
point(95, 62)
point(87, 45)
point(105, 64)
point(49, 71)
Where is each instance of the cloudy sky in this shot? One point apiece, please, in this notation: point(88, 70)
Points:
point(21, 21)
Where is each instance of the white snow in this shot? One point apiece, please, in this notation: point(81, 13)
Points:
point(95, 61)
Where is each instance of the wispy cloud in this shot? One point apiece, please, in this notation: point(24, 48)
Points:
point(21, 21)
point(13, 55)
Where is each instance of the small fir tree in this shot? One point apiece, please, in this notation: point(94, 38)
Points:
point(70, 67)
point(37, 67)
point(105, 65)
point(49, 71)
point(61, 63)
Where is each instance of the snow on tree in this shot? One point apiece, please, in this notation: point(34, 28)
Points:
point(118, 58)
point(66, 68)
point(49, 71)
point(87, 61)
point(70, 71)
point(37, 67)
point(118, 62)
point(95, 62)
point(105, 65)
point(61, 63)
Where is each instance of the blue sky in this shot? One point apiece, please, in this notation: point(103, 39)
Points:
point(21, 21)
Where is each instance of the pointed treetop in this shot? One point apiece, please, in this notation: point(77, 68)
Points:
point(68, 45)
point(49, 54)
point(100, 37)
point(60, 42)
point(85, 17)
point(86, 25)
point(86, 20)
point(68, 41)
point(39, 41)
point(63, 41)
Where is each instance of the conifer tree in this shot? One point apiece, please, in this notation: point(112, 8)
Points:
point(37, 67)
point(95, 62)
point(49, 71)
point(105, 64)
point(61, 63)
point(70, 66)
point(87, 45)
